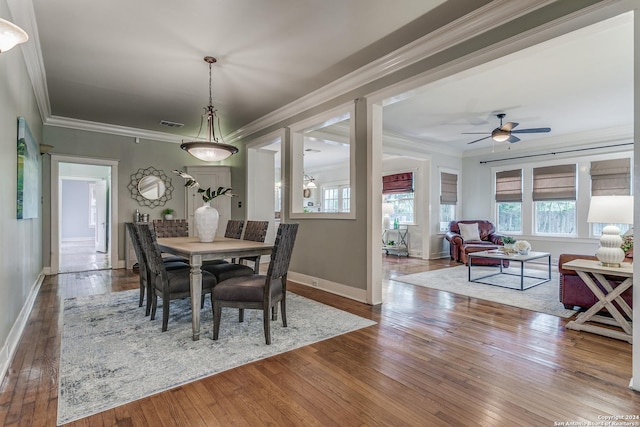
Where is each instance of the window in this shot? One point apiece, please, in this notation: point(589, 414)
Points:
point(336, 199)
point(509, 201)
point(554, 197)
point(448, 198)
point(610, 178)
point(397, 190)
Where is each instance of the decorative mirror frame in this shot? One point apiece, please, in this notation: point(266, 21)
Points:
point(150, 171)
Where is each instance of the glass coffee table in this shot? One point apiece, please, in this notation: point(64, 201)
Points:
point(502, 271)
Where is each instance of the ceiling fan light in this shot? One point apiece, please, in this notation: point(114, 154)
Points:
point(500, 135)
point(312, 184)
point(11, 35)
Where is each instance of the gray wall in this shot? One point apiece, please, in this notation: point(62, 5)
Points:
point(163, 156)
point(20, 240)
point(76, 210)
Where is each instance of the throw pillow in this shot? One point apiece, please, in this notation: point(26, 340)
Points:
point(469, 232)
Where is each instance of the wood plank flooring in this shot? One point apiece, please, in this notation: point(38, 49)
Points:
point(433, 359)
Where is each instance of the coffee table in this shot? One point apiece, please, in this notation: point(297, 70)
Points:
point(511, 257)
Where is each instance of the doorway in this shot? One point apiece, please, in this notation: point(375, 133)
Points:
point(82, 214)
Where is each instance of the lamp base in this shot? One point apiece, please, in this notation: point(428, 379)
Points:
point(609, 253)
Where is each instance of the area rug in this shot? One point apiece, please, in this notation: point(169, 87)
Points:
point(111, 354)
point(542, 298)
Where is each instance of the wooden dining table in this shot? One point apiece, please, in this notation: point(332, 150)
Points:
point(196, 252)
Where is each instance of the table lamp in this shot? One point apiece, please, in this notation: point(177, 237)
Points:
point(387, 209)
point(611, 210)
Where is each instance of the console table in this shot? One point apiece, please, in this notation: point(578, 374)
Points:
point(588, 270)
point(400, 244)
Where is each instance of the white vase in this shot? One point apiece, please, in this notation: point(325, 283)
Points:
point(206, 218)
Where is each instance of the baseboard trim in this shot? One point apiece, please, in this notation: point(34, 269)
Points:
point(350, 292)
point(10, 346)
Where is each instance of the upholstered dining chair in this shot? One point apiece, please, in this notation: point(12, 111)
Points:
point(143, 267)
point(255, 231)
point(259, 292)
point(171, 228)
point(166, 284)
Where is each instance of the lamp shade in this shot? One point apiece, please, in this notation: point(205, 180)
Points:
point(11, 35)
point(209, 151)
point(387, 208)
point(611, 210)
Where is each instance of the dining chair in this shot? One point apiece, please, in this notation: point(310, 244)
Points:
point(233, 231)
point(171, 228)
point(255, 231)
point(259, 292)
point(167, 284)
point(143, 267)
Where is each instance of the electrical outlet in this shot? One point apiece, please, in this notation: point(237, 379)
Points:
point(314, 283)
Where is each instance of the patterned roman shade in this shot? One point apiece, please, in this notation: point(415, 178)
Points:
point(397, 183)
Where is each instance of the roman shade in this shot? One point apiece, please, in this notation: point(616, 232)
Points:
point(397, 183)
point(554, 183)
point(448, 188)
point(611, 177)
point(509, 186)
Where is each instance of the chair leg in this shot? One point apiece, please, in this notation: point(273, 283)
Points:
point(274, 312)
point(150, 292)
point(241, 315)
point(266, 319)
point(141, 293)
point(165, 314)
point(283, 309)
point(154, 306)
point(217, 314)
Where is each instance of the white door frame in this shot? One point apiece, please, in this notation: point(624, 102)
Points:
point(56, 159)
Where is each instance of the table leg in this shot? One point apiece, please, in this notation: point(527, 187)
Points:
point(195, 281)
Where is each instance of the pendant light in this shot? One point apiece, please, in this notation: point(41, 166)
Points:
point(213, 150)
point(11, 35)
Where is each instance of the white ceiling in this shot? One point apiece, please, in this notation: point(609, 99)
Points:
point(133, 64)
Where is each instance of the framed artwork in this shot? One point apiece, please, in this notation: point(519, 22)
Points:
point(28, 172)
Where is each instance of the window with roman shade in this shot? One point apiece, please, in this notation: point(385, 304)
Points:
point(611, 177)
point(397, 183)
point(448, 188)
point(554, 183)
point(509, 186)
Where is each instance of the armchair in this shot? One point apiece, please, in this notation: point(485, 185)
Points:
point(459, 248)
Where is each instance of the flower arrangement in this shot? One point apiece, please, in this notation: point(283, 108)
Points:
point(627, 243)
point(522, 246)
point(207, 194)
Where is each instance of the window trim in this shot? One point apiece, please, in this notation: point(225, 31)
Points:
point(296, 150)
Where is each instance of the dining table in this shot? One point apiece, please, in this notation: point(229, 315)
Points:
point(197, 252)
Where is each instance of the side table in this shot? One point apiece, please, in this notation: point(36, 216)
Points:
point(588, 270)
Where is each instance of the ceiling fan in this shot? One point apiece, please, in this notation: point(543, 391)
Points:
point(505, 132)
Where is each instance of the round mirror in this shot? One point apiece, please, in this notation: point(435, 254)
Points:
point(151, 187)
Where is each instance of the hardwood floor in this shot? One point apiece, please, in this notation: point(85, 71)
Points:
point(433, 359)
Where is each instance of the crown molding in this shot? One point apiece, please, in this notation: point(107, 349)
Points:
point(66, 122)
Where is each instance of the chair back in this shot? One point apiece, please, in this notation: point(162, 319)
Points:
point(150, 249)
point(171, 227)
point(282, 250)
point(234, 228)
point(137, 247)
point(256, 231)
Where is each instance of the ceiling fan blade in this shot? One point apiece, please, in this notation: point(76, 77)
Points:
point(479, 139)
point(532, 130)
point(508, 126)
point(474, 133)
point(513, 139)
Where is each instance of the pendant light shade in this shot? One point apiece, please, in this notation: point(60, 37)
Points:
point(11, 35)
point(212, 150)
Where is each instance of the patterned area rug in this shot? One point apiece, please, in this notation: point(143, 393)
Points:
point(111, 354)
point(542, 298)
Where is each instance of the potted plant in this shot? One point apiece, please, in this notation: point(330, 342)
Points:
point(168, 213)
point(508, 243)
